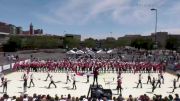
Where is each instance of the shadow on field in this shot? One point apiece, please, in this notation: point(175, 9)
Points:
point(149, 92)
point(44, 87)
point(58, 82)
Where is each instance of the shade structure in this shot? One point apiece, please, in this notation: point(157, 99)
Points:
point(101, 52)
point(79, 52)
point(90, 52)
point(71, 52)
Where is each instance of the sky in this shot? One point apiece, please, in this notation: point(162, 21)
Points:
point(93, 18)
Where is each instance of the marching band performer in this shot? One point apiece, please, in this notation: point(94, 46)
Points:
point(139, 81)
point(74, 81)
point(31, 80)
point(25, 78)
point(153, 84)
point(159, 81)
point(67, 77)
point(174, 85)
point(149, 78)
point(119, 85)
point(52, 82)
point(5, 85)
point(96, 73)
point(48, 76)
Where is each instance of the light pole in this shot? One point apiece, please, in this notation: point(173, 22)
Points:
point(64, 32)
point(153, 9)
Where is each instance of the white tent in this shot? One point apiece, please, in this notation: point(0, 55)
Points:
point(109, 51)
point(71, 52)
point(79, 52)
point(101, 52)
point(90, 52)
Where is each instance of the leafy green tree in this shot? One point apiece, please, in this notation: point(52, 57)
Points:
point(108, 43)
point(13, 44)
point(172, 43)
point(71, 42)
point(122, 42)
point(33, 42)
point(142, 43)
point(90, 42)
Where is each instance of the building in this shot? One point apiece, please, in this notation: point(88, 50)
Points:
point(9, 28)
point(3, 39)
point(160, 38)
point(26, 32)
point(12, 29)
point(38, 31)
point(127, 39)
point(4, 27)
point(73, 36)
point(19, 30)
point(31, 30)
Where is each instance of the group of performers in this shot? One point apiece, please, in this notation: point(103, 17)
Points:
point(90, 65)
point(155, 83)
point(84, 65)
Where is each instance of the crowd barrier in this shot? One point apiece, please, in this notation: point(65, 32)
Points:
point(8, 67)
point(5, 67)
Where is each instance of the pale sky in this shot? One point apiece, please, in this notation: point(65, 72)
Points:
point(93, 18)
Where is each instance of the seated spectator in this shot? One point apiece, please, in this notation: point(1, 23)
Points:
point(77, 99)
point(34, 97)
point(114, 99)
point(170, 98)
point(94, 99)
point(62, 98)
point(48, 97)
point(25, 98)
point(14, 98)
point(43, 98)
point(144, 98)
point(166, 99)
point(56, 98)
point(38, 98)
point(176, 97)
point(104, 99)
point(120, 98)
point(73, 99)
point(130, 98)
point(68, 97)
point(6, 98)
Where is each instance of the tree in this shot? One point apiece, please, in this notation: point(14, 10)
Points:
point(90, 42)
point(142, 43)
point(71, 42)
point(122, 42)
point(172, 43)
point(108, 43)
point(16, 42)
point(13, 44)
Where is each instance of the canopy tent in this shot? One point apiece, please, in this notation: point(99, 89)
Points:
point(90, 52)
point(79, 52)
point(101, 52)
point(109, 51)
point(71, 52)
point(129, 47)
point(112, 51)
